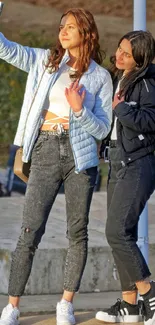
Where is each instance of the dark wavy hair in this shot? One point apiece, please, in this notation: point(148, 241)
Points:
point(90, 48)
point(143, 51)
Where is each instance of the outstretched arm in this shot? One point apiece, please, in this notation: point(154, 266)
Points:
point(22, 57)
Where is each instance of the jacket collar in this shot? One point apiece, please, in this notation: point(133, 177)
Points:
point(65, 59)
point(142, 74)
point(149, 72)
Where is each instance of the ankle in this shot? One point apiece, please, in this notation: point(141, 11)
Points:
point(130, 303)
point(68, 296)
point(130, 297)
point(143, 287)
point(65, 300)
point(14, 301)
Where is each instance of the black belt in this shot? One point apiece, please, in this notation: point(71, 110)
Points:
point(113, 143)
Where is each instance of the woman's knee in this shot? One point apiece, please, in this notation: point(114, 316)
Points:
point(28, 240)
point(77, 234)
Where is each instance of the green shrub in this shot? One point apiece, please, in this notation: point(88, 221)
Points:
point(12, 85)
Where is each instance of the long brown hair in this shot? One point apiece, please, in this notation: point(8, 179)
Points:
point(143, 51)
point(90, 48)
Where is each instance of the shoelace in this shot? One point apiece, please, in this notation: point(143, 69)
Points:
point(141, 307)
point(116, 307)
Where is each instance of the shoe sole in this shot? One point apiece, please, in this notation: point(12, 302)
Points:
point(150, 321)
point(121, 319)
point(65, 323)
point(5, 322)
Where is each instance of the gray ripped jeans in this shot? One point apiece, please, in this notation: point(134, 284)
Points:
point(52, 164)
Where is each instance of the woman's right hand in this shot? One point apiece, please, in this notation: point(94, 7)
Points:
point(117, 100)
point(75, 96)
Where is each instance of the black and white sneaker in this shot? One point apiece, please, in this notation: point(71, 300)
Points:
point(121, 312)
point(149, 306)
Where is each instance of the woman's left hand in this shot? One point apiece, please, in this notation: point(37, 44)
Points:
point(117, 100)
point(74, 97)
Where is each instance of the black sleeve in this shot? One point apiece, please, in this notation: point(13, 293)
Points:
point(105, 142)
point(137, 117)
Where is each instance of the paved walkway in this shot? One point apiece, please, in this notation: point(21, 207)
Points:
point(55, 236)
point(46, 304)
point(40, 310)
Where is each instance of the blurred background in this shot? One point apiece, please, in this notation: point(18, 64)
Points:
point(35, 23)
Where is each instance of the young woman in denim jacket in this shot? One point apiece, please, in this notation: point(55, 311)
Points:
point(70, 96)
point(132, 173)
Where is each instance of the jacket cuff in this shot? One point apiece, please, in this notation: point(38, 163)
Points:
point(119, 108)
point(79, 113)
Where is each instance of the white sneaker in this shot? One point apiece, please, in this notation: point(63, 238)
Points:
point(65, 313)
point(10, 315)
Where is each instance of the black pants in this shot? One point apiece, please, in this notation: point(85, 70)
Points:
point(129, 188)
point(52, 164)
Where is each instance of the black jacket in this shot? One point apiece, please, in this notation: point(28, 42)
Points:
point(136, 118)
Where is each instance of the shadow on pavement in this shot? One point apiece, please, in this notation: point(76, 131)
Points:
point(81, 318)
point(88, 317)
point(38, 320)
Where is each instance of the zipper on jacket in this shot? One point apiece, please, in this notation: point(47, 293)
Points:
point(75, 160)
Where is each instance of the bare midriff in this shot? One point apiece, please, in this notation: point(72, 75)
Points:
point(51, 121)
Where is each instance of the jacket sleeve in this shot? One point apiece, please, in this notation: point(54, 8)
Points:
point(98, 122)
point(22, 57)
point(140, 119)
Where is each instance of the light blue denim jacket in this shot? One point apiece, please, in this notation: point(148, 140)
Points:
point(96, 118)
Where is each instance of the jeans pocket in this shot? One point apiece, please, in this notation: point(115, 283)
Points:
point(39, 143)
point(121, 173)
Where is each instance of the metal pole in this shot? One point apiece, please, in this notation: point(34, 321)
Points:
point(139, 15)
point(140, 24)
point(143, 241)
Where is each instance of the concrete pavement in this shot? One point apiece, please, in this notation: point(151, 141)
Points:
point(47, 274)
point(83, 318)
point(46, 281)
point(40, 310)
point(86, 318)
point(46, 304)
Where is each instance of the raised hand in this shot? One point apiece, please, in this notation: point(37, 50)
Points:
point(74, 96)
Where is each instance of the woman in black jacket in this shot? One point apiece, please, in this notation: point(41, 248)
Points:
point(131, 178)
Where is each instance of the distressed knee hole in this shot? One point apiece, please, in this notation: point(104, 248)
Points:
point(27, 229)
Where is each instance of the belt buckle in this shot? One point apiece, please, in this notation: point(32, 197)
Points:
point(58, 128)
